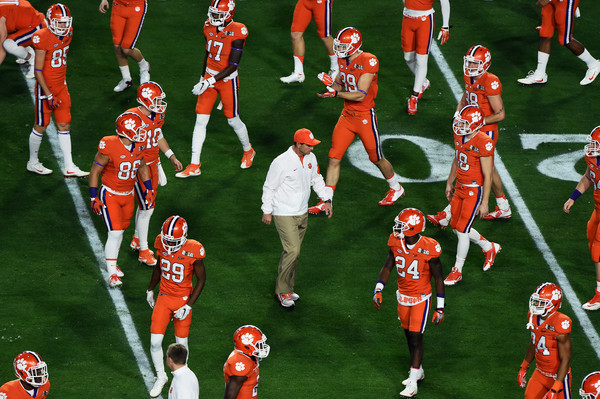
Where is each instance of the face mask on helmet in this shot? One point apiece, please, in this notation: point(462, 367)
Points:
point(59, 19)
point(469, 120)
point(251, 341)
point(347, 42)
point(130, 126)
point(409, 222)
point(30, 368)
point(151, 96)
point(220, 12)
point(593, 148)
point(477, 61)
point(174, 233)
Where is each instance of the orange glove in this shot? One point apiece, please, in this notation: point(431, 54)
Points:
point(522, 377)
point(377, 299)
point(444, 35)
point(96, 205)
point(150, 198)
point(438, 316)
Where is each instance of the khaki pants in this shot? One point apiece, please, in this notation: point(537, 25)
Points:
point(291, 231)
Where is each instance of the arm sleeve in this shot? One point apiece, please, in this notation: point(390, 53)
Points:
point(445, 4)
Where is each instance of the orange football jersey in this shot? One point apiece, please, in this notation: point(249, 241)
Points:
point(218, 43)
point(412, 265)
point(240, 364)
point(177, 268)
point(420, 5)
point(364, 63)
point(593, 164)
point(129, 3)
point(488, 84)
point(121, 171)
point(543, 337)
point(469, 170)
point(20, 16)
point(14, 390)
point(153, 125)
point(56, 48)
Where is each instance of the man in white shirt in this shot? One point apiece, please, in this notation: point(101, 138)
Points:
point(285, 201)
point(185, 383)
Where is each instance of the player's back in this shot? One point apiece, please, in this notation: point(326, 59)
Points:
point(20, 16)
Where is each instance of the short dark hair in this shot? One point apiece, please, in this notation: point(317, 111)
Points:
point(177, 353)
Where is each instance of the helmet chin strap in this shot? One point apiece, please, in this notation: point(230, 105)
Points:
point(530, 325)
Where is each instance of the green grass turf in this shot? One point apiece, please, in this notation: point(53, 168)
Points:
point(334, 343)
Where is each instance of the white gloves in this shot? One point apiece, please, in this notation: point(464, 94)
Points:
point(183, 312)
point(150, 298)
point(201, 86)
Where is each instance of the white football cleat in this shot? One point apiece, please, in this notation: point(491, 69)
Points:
point(37, 167)
point(294, 77)
point(591, 74)
point(158, 386)
point(420, 378)
point(410, 390)
point(114, 281)
point(74, 171)
point(498, 214)
point(122, 85)
point(592, 304)
point(490, 256)
point(145, 74)
point(533, 78)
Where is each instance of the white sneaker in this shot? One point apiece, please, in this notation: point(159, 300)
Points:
point(532, 78)
point(145, 74)
point(591, 74)
point(420, 378)
point(410, 390)
point(37, 167)
point(74, 171)
point(294, 77)
point(114, 281)
point(286, 300)
point(122, 85)
point(30, 73)
point(295, 296)
point(158, 386)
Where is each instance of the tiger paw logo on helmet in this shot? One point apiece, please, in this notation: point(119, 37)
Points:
point(129, 124)
point(21, 364)
point(355, 38)
point(239, 366)
point(414, 220)
point(247, 339)
point(476, 116)
point(147, 92)
point(556, 294)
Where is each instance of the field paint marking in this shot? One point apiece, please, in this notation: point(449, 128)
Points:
point(83, 214)
point(561, 167)
point(528, 220)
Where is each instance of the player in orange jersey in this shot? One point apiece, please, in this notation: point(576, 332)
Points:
point(416, 37)
point(550, 345)
point(241, 369)
point(306, 10)
point(152, 111)
point(18, 22)
point(179, 259)
point(119, 159)
point(356, 84)
point(225, 40)
point(417, 260)
point(126, 20)
point(484, 90)
point(52, 96)
point(591, 178)
point(32, 382)
point(472, 168)
point(559, 16)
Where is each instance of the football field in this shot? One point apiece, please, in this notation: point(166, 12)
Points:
point(334, 343)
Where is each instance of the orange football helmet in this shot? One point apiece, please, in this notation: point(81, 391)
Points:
point(131, 126)
point(546, 299)
point(220, 12)
point(59, 20)
point(590, 386)
point(410, 222)
point(174, 233)
point(481, 57)
point(347, 42)
point(151, 95)
point(250, 340)
point(30, 368)
point(593, 148)
point(469, 120)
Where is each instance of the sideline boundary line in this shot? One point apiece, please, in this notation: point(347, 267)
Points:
point(523, 210)
point(85, 220)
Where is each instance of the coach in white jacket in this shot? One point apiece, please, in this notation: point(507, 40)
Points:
point(285, 201)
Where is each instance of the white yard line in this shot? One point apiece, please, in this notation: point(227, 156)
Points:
point(529, 222)
point(81, 206)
